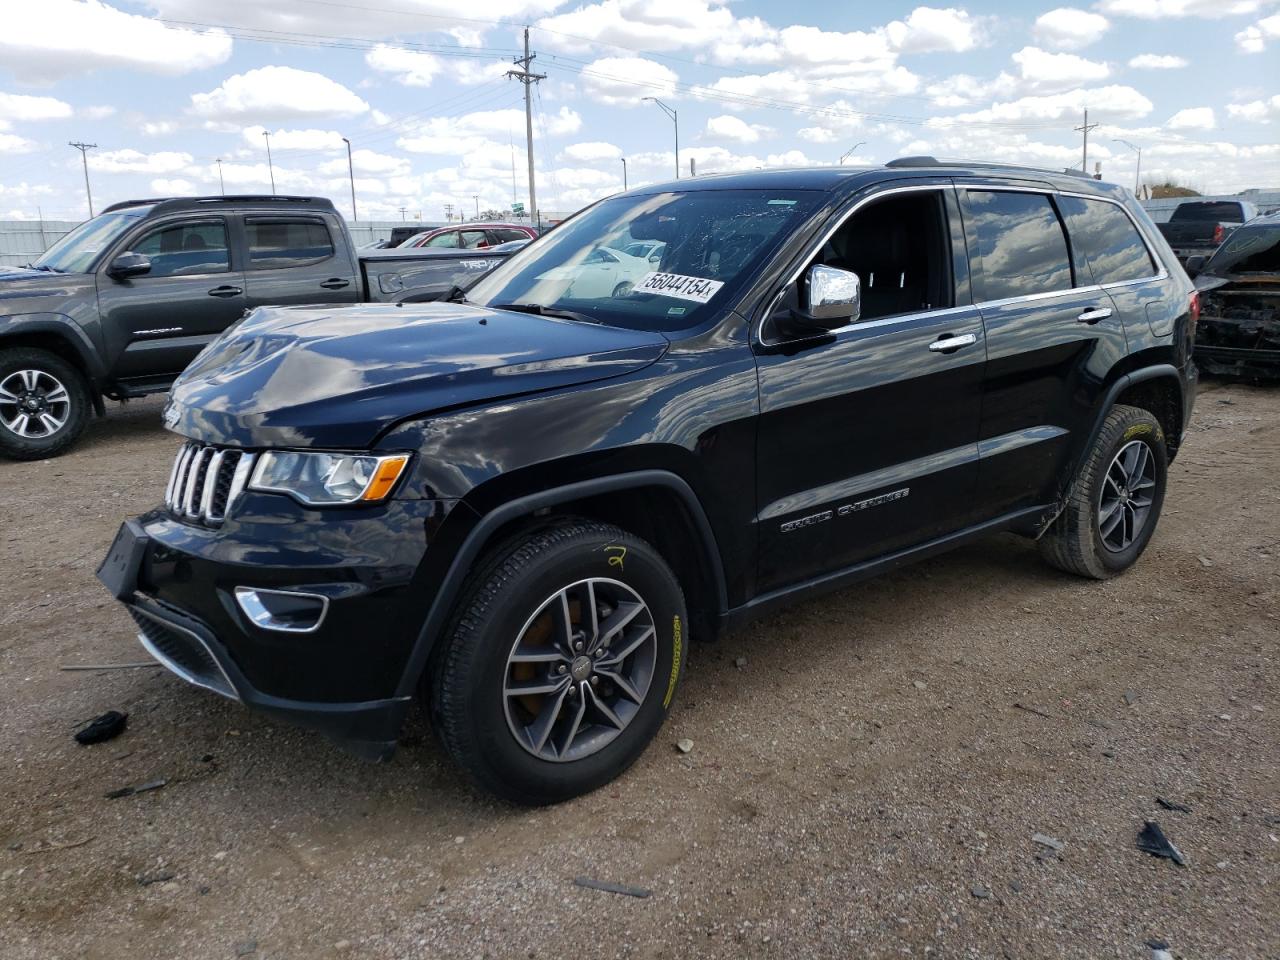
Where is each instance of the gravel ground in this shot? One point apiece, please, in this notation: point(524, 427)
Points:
point(865, 784)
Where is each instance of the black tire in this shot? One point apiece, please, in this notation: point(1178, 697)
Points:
point(1075, 541)
point(14, 445)
point(468, 701)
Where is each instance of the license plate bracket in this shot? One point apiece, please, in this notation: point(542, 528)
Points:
point(119, 569)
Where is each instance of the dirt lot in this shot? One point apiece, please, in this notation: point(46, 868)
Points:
point(853, 791)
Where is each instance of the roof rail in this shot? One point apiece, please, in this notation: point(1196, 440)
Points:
point(927, 161)
point(195, 203)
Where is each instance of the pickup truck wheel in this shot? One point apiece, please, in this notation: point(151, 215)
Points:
point(1116, 501)
point(562, 660)
point(44, 404)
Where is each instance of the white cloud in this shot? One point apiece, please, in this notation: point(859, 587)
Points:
point(728, 127)
point(172, 188)
point(1113, 102)
point(45, 41)
point(1256, 111)
point(473, 134)
point(134, 161)
point(295, 139)
point(563, 122)
point(591, 151)
point(1157, 61)
point(22, 108)
point(99, 112)
point(157, 128)
point(370, 162)
point(1192, 118)
point(930, 30)
point(409, 67)
point(1254, 39)
point(1068, 28)
point(1042, 69)
point(12, 143)
point(623, 81)
point(275, 92)
point(1172, 9)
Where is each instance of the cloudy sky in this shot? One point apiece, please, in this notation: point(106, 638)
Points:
point(166, 88)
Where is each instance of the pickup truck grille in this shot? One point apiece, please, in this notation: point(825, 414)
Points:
point(206, 482)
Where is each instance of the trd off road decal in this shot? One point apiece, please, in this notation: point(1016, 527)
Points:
point(675, 662)
point(681, 287)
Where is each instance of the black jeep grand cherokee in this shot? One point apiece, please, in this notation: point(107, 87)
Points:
point(523, 505)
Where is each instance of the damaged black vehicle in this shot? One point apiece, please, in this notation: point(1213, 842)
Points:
point(1239, 330)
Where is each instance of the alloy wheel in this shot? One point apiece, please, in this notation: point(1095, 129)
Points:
point(579, 670)
point(34, 404)
point(1128, 492)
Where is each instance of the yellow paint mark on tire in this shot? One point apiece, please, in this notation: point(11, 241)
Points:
point(675, 662)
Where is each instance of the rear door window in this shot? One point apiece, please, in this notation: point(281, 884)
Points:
point(447, 240)
point(275, 243)
point(1103, 234)
point(186, 249)
point(505, 235)
point(1023, 247)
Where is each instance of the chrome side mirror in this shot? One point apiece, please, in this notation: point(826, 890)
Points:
point(832, 297)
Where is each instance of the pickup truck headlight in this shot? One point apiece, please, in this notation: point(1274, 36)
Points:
point(328, 479)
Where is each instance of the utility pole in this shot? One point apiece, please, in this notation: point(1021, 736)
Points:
point(525, 76)
point(448, 213)
point(402, 211)
point(270, 169)
point(1137, 173)
point(624, 173)
point(675, 119)
point(1085, 128)
point(84, 159)
point(351, 173)
point(476, 198)
point(221, 186)
point(848, 153)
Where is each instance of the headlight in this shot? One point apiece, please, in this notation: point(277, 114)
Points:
point(328, 479)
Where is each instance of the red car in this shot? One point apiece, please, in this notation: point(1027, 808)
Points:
point(471, 236)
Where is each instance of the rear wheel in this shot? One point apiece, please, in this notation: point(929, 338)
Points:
point(44, 404)
point(563, 659)
point(1115, 504)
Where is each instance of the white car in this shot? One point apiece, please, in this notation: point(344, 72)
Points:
point(607, 272)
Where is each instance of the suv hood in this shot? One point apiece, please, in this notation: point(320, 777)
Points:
point(338, 377)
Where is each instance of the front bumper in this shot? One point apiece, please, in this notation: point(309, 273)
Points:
point(344, 678)
point(1236, 347)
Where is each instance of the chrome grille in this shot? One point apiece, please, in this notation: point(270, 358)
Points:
point(206, 481)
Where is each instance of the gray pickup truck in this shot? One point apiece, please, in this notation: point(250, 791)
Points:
point(1196, 228)
point(120, 305)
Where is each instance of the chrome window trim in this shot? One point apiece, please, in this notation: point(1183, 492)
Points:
point(977, 304)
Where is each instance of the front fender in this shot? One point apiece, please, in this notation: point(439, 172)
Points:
point(61, 326)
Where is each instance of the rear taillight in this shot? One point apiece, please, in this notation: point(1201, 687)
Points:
point(1193, 308)
point(1219, 234)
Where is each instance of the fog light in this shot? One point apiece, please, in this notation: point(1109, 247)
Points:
point(283, 610)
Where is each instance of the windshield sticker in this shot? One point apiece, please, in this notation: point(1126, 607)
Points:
point(782, 203)
point(675, 285)
point(676, 311)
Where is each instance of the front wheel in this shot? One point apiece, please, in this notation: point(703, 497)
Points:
point(1115, 504)
point(563, 659)
point(44, 404)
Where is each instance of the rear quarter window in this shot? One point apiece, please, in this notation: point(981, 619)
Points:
point(1103, 235)
point(1021, 242)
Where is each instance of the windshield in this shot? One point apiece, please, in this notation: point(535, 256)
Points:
point(76, 251)
point(1248, 250)
point(658, 262)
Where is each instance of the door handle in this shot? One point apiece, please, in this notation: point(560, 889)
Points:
point(1094, 314)
point(225, 291)
point(948, 344)
point(335, 283)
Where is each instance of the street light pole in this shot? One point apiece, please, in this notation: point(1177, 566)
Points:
point(84, 158)
point(351, 174)
point(848, 153)
point(624, 173)
point(270, 169)
point(675, 120)
point(222, 187)
point(1137, 173)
